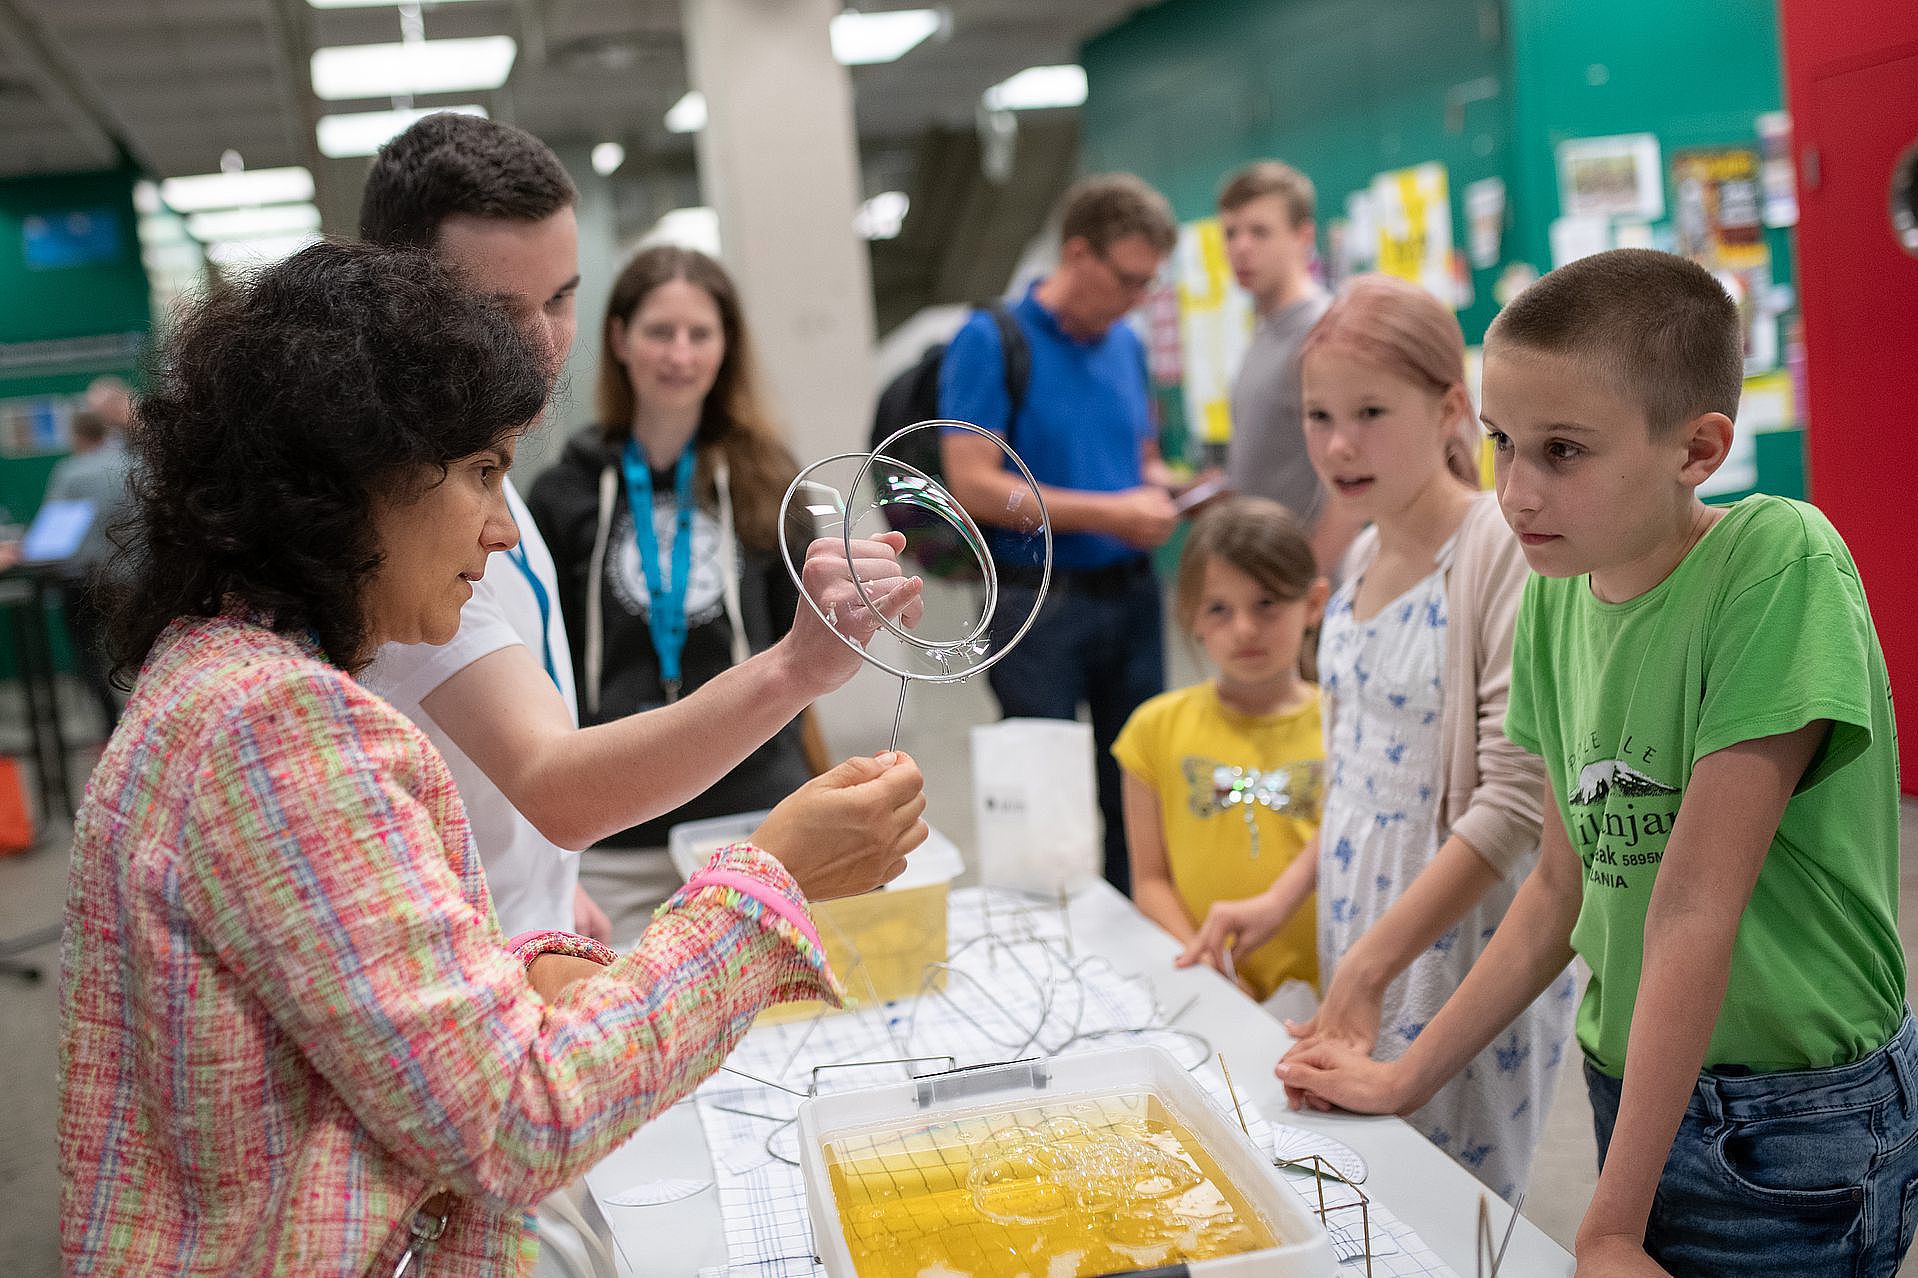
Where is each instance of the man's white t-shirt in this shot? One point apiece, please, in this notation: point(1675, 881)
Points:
point(531, 878)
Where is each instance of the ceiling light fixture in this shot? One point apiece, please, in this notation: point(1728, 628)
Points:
point(367, 4)
point(244, 254)
point(607, 157)
point(1037, 88)
point(236, 190)
point(255, 223)
point(696, 227)
point(412, 68)
point(861, 39)
point(357, 133)
point(881, 217)
point(688, 115)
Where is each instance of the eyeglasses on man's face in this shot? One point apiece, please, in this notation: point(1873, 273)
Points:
point(1129, 281)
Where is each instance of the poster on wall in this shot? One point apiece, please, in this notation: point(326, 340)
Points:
point(75, 237)
point(1616, 176)
point(1413, 211)
point(1717, 217)
point(1484, 221)
point(1215, 326)
point(1718, 224)
point(1775, 173)
point(36, 424)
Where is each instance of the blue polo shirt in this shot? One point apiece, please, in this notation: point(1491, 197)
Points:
point(1085, 419)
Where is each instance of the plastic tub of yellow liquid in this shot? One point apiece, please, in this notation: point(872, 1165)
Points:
point(1080, 1166)
point(880, 943)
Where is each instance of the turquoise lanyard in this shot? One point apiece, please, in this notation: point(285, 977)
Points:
point(518, 555)
point(666, 617)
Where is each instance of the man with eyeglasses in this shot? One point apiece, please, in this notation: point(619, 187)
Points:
point(1084, 428)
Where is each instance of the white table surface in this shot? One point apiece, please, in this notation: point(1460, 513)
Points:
point(1423, 1187)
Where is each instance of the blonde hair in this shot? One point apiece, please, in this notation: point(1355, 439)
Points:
point(733, 421)
point(1263, 540)
point(1270, 177)
point(1402, 328)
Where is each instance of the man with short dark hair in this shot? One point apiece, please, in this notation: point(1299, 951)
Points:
point(497, 700)
point(1085, 430)
point(493, 202)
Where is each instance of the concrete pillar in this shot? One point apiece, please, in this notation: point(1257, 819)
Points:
point(779, 161)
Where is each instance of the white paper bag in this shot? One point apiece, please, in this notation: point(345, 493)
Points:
point(1034, 804)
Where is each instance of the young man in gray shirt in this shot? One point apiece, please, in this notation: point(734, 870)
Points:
point(1266, 210)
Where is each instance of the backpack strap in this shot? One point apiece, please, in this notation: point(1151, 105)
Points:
point(1017, 355)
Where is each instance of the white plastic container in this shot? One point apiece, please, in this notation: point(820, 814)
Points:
point(1304, 1250)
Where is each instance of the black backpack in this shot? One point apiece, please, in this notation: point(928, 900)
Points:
point(913, 396)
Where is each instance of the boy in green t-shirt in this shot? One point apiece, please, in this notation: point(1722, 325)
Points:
point(1711, 703)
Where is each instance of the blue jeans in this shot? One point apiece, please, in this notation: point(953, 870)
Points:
point(1806, 1174)
point(1097, 643)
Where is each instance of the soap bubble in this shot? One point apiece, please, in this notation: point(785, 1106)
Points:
point(985, 581)
point(1025, 1185)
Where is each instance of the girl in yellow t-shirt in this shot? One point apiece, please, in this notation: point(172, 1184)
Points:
point(1222, 780)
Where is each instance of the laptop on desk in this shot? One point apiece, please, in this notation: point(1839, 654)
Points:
point(56, 532)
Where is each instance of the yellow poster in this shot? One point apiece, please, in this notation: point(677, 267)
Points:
point(1413, 211)
point(1215, 325)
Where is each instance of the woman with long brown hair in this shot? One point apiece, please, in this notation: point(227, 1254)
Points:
point(663, 522)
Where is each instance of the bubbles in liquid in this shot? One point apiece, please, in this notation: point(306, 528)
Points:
point(1107, 1185)
point(1025, 1184)
point(1027, 1176)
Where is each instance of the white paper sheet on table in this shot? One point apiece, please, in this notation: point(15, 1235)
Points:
point(990, 1004)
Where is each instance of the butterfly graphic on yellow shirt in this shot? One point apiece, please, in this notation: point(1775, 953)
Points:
point(1295, 789)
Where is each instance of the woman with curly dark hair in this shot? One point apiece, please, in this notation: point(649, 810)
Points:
point(293, 1037)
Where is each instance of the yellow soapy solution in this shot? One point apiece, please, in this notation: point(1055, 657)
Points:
point(1071, 1189)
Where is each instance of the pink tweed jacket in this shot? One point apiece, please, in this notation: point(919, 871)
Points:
point(289, 1017)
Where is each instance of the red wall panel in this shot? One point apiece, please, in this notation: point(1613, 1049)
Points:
point(1852, 83)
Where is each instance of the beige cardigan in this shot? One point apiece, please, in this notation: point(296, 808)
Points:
point(1492, 788)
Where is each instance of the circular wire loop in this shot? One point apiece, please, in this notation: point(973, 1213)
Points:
point(928, 494)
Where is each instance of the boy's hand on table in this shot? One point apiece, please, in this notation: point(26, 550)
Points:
point(1323, 1074)
point(1614, 1256)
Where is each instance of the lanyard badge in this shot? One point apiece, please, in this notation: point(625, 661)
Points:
point(666, 616)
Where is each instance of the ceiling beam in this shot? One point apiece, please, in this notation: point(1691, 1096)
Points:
point(532, 33)
point(289, 39)
point(62, 85)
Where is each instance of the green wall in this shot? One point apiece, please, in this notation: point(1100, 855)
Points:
point(1187, 90)
point(1694, 72)
point(88, 300)
point(1697, 73)
point(49, 303)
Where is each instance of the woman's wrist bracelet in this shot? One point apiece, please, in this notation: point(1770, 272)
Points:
point(528, 946)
